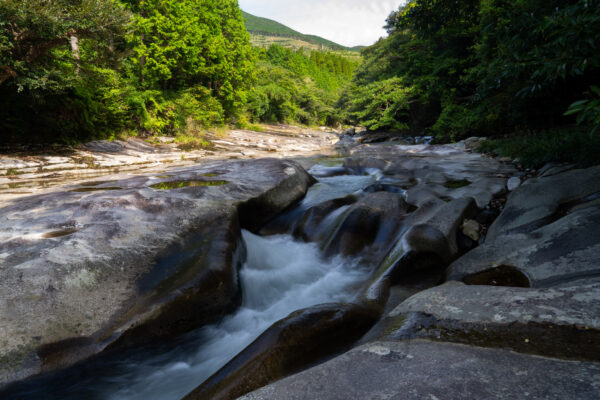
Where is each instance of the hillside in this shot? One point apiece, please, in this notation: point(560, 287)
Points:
point(265, 31)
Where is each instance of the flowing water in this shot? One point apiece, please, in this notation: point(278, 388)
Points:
point(280, 276)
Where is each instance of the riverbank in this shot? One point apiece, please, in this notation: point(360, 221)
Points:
point(97, 269)
point(24, 172)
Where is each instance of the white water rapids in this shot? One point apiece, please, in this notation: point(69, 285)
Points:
point(279, 277)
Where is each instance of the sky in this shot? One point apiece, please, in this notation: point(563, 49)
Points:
point(347, 22)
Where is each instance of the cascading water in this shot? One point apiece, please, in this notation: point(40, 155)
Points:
point(280, 276)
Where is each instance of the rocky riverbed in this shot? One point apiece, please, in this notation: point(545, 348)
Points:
point(27, 171)
point(475, 281)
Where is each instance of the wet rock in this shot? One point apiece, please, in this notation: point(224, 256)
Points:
point(558, 322)
point(360, 165)
point(437, 232)
point(257, 211)
point(442, 172)
point(370, 222)
point(383, 187)
point(130, 265)
point(301, 339)
point(418, 369)
point(325, 172)
point(430, 242)
point(350, 132)
point(311, 227)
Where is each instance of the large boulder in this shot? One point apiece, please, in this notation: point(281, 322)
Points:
point(297, 341)
point(418, 369)
point(429, 242)
point(548, 234)
point(126, 261)
point(541, 201)
point(373, 222)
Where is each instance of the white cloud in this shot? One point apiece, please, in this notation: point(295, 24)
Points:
point(347, 22)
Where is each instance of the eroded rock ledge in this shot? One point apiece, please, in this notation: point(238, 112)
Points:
point(124, 261)
point(519, 316)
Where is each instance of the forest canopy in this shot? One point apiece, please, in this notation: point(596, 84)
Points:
point(78, 69)
point(481, 67)
point(73, 70)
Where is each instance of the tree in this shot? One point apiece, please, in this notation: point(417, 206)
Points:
point(479, 67)
point(181, 43)
point(36, 36)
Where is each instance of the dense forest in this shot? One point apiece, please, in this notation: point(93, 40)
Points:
point(78, 69)
point(298, 86)
point(453, 69)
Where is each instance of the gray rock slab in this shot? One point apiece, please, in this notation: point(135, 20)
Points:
point(564, 250)
point(542, 200)
point(556, 322)
point(113, 262)
point(576, 304)
point(444, 172)
point(420, 370)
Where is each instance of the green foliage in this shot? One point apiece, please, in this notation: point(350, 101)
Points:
point(35, 35)
point(588, 111)
point(572, 145)
point(182, 43)
point(484, 67)
point(382, 105)
point(296, 86)
point(77, 69)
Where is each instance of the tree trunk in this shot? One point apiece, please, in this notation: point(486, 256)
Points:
point(74, 40)
point(6, 73)
point(142, 60)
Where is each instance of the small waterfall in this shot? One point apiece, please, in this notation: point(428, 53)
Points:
point(280, 276)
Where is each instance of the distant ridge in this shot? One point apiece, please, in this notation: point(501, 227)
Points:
point(267, 27)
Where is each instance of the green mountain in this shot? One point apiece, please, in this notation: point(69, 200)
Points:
point(265, 31)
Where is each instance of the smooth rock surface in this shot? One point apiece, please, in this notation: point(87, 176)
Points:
point(370, 222)
point(297, 341)
point(565, 250)
point(558, 322)
point(543, 200)
point(418, 370)
point(125, 261)
point(445, 172)
point(41, 169)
